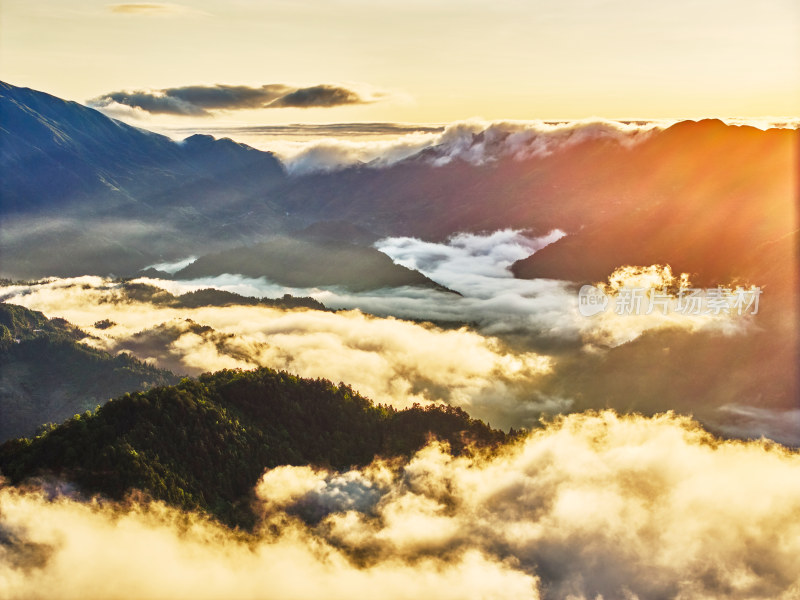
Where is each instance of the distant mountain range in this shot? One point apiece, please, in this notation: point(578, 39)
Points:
point(83, 193)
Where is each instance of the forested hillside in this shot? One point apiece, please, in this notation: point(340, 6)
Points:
point(204, 443)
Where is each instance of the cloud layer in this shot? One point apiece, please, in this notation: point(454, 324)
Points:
point(520, 331)
point(595, 505)
point(474, 141)
point(389, 360)
point(204, 100)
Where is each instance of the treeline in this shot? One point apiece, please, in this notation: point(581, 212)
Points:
point(142, 292)
point(203, 443)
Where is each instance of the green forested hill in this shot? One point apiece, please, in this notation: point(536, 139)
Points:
point(46, 375)
point(204, 443)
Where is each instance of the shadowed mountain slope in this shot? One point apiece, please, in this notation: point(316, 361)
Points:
point(46, 375)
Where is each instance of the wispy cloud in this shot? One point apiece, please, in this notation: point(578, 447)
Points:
point(322, 129)
point(160, 9)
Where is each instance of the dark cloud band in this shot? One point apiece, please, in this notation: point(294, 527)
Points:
point(318, 95)
point(201, 100)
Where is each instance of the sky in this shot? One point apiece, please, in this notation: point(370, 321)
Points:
point(418, 61)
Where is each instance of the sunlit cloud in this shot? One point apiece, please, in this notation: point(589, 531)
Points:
point(508, 366)
point(595, 505)
point(306, 148)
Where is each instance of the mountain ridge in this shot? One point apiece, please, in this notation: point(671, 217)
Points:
point(707, 183)
point(63, 151)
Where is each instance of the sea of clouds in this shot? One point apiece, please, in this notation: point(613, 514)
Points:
point(487, 348)
point(593, 506)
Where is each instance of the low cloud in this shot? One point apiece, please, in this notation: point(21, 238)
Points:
point(479, 142)
point(478, 267)
point(491, 298)
point(312, 147)
point(475, 142)
point(387, 359)
point(172, 266)
point(330, 154)
point(66, 549)
point(203, 101)
point(334, 130)
point(306, 148)
point(527, 350)
point(594, 505)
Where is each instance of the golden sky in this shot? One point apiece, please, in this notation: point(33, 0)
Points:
point(429, 61)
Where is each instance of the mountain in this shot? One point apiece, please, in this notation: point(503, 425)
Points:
point(703, 197)
point(306, 263)
point(82, 193)
point(204, 443)
point(55, 153)
point(46, 375)
point(700, 196)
